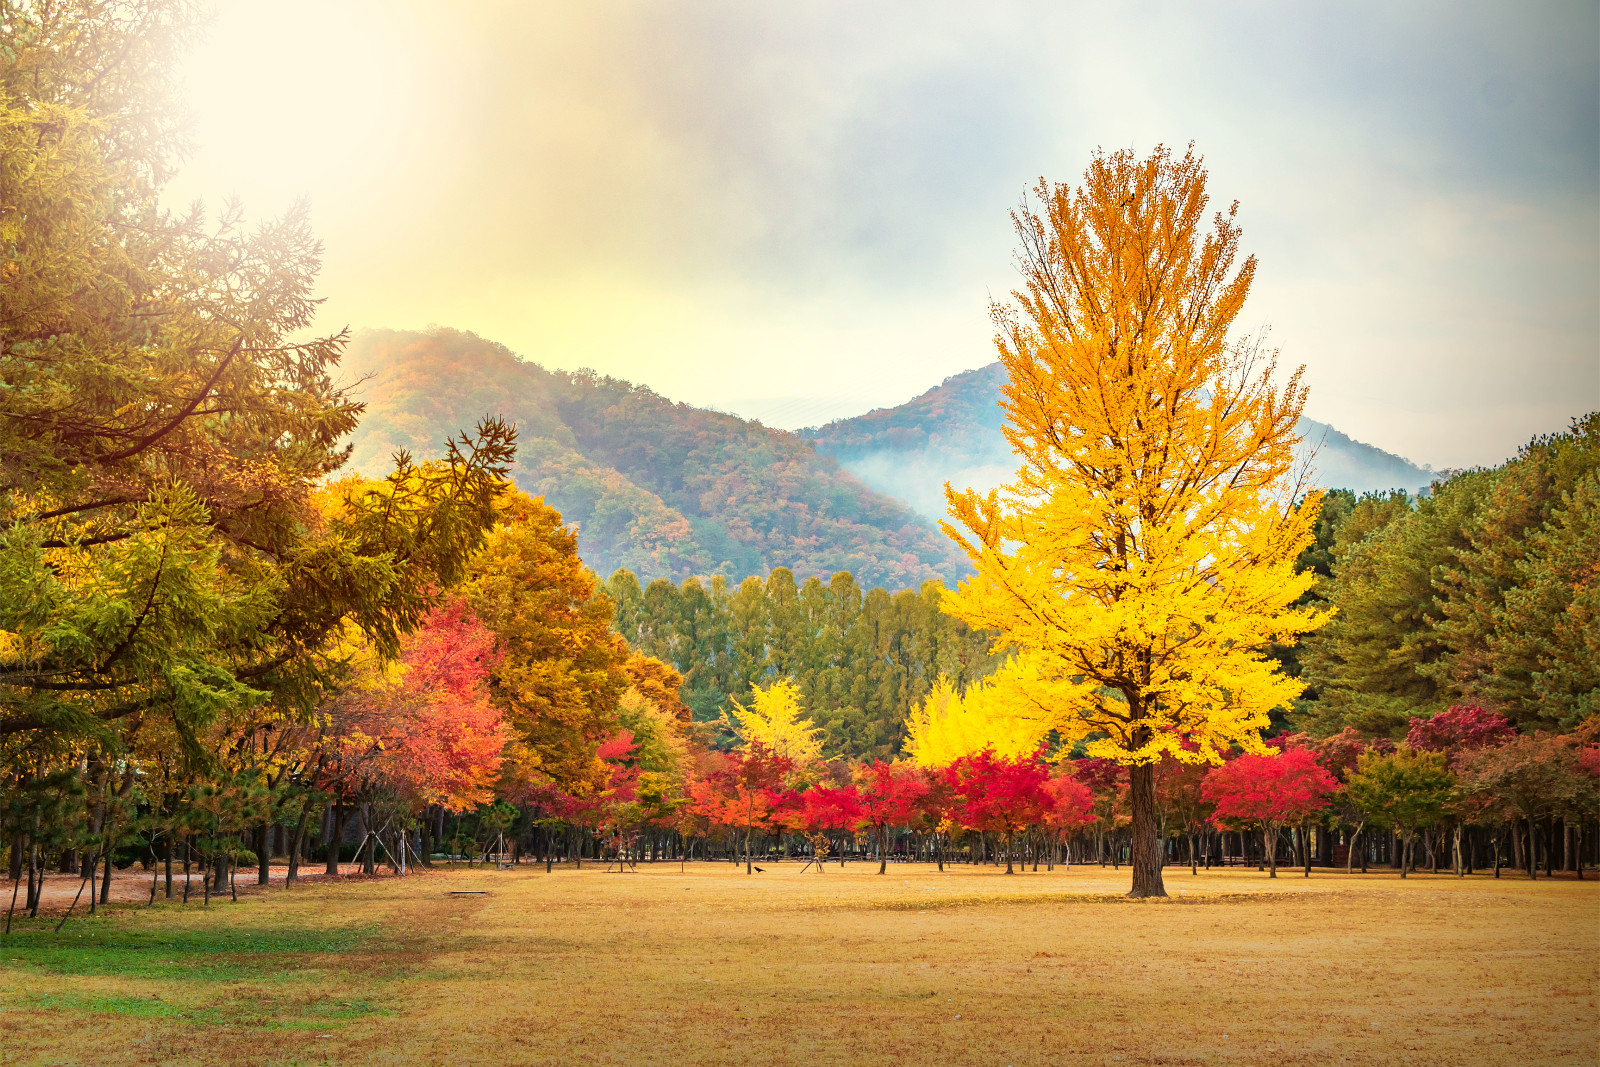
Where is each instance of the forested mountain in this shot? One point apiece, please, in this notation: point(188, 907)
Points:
point(663, 489)
point(952, 433)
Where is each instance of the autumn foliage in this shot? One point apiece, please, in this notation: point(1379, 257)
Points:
point(1144, 558)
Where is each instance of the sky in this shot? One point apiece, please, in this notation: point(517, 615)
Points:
point(799, 212)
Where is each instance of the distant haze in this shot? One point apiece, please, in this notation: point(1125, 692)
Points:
point(952, 434)
point(798, 212)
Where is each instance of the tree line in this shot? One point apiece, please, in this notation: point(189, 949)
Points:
point(861, 658)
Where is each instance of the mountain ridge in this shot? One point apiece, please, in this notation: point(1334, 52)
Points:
point(951, 433)
point(662, 488)
point(669, 490)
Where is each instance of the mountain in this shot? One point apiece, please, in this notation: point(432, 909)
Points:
point(952, 433)
point(663, 489)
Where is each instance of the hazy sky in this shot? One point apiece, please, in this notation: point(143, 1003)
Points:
point(799, 211)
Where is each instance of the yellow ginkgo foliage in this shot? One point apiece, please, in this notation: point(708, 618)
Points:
point(776, 719)
point(949, 725)
point(1144, 557)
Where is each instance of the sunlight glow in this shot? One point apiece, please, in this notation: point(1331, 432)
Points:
point(295, 98)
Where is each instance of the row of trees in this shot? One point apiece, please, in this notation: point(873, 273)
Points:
point(207, 639)
point(1464, 788)
point(862, 658)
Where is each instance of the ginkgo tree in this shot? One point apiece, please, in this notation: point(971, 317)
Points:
point(949, 725)
point(777, 720)
point(1143, 558)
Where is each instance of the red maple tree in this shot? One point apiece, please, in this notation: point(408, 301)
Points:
point(889, 796)
point(1268, 792)
point(999, 795)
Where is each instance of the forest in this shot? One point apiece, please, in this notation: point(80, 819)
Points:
point(383, 695)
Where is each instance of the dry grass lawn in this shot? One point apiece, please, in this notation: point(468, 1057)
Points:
point(914, 967)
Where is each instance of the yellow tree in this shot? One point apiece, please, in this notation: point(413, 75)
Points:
point(777, 720)
point(1143, 558)
point(948, 725)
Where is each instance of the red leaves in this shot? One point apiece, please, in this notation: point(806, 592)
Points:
point(1269, 790)
point(998, 794)
point(890, 793)
point(1072, 804)
point(747, 791)
point(1460, 729)
point(824, 808)
point(434, 735)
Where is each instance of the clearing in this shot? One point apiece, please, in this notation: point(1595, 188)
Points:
point(913, 967)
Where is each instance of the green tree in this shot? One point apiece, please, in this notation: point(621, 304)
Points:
point(1403, 790)
point(1544, 652)
point(1370, 666)
point(163, 426)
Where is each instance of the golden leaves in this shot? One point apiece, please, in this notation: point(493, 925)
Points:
point(1144, 557)
point(776, 719)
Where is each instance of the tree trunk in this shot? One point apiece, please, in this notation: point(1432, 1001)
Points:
point(168, 860)
point(1269, 849)
point(335, 840)
point(263, 850)
point(297, 844)
point(1146, 858)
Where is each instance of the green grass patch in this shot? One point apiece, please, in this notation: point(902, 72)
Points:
point(213, 952)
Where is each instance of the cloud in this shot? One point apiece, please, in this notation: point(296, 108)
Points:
point(732, 200)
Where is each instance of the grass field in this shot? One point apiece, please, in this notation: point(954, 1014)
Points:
point(913, 967)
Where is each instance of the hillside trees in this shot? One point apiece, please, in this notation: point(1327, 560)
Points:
point(1145, 554)
point(660, 488)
